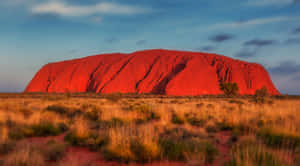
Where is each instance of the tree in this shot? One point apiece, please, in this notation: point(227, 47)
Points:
point(262, 92)
point(261, 95)
point(229, 88)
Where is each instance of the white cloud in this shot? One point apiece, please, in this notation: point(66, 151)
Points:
point(261, 3)
point(255, 22)
point(63, 9)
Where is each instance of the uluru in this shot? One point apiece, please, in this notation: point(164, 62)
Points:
point(157, 71)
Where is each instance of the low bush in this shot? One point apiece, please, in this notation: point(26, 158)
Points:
point(275, 138)
point(177, 150)
point(37, 130)
point(94, 114)
point(229, 88)
point(44, 129)
point(196, 122)
point(58, 109)
point(147, 112)
point(26, 112)
point(93, 141)
point(199, 105)
point(236, 102)
point(263, 92)
point(211, 128)
point(114, 122)
point(177, 143)
point(225, 126)
point(177, 119)
point(144, 152)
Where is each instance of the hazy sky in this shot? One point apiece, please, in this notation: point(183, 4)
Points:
point(36, 32)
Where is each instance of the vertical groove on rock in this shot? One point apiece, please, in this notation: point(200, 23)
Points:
point(91, 82)
point(116, 74)
point(49, 79)
point(147, 73)
point(160, 88)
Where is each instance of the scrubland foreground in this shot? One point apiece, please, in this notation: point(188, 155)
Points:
point(114, 130)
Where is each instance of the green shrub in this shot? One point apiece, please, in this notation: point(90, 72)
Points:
point(277, 139)
point(229, 88)
point(173, 149)
point(224, 126)
point(263, 92)
point(176, 119)
point(37, 130)
point(62, 127)
point(210, 152)
point(94, 114)
point(16, 133)
point(114, 122)
point(147, 111)
point(199, 105)
point(94, 141)
point(44, 129)
point(236, 102)
point(72, 113)
point(113, 155)
point(58, 109)
point(211, 129)
point(142, 153)
point(72, 139)
point(54, 150)
point(196, 122)
point(177, 143)
point(26, 112)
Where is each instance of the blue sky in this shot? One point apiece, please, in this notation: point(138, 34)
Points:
point(36, 32)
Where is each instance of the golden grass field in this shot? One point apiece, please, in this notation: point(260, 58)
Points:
point(37, 130)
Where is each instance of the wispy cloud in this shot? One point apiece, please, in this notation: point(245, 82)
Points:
point(296, 31)
point(64, 9)
point(284, 68)
point(262, 3)
point(292, 41)
point(141, 42)
point(256, 22)
point(259, 42)
point(246, 53)
point(222, 37)
point(252, 47)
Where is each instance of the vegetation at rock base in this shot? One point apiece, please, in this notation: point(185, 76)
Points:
point(222, 130)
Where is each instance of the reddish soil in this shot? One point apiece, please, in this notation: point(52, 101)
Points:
point(83, 156)
point(151, 71)
point(223, 148)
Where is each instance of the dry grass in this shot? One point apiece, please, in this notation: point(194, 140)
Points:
point(129, 129)
point(130, 142)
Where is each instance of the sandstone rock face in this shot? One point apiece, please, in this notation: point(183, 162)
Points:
point(151, 71)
